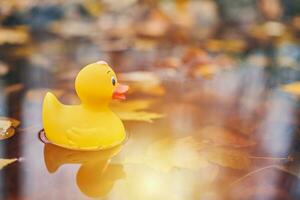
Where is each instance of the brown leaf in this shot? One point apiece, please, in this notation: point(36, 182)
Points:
point(228, 158)
point(7, 126)
point(224, 137)
point(5, 162)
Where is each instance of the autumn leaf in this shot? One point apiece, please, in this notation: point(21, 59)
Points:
point(130, 110)
point(5, 162)
point(7, 127)
point(15, 123)
point(226, 157)
point(224, 137)
point(132, 105)
point(292, 88)
point(138, 116)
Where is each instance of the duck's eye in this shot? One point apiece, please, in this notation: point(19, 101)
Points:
point(113, 81)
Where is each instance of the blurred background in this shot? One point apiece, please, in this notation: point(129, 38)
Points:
point(219, 80)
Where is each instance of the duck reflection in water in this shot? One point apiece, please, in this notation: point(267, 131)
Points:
point(96, 175)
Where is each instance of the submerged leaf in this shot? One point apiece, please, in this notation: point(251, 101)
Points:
point(4, 162)
point(228, 158)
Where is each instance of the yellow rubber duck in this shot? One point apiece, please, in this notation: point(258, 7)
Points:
point(91, 125)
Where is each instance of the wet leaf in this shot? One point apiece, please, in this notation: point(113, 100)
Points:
point(138, 116)
point(133, 110)
point(132, 105)
point(7, 126)
point(224, 137)
point(292, 88)
point(226, 157)
point(5, 162)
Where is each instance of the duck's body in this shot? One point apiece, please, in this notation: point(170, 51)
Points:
point(87, 126)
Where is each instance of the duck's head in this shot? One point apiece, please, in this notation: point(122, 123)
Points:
point(97, 84)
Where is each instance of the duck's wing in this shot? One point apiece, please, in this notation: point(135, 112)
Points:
point(51, 107)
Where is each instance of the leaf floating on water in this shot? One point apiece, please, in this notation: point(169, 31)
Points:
point(228, 158)
point(133, 110)
point(138, 116)
point(5, 162)
point(7, 126)
point(224, 137)
point(292, 88)
point(15, 123)
point(133, 105)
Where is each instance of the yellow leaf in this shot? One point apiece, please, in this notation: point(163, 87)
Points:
point(138, 116)
point(133, 105)
point(4, 125)
point(293, 88)
point(4, 162)
point(228, 158)
point(130, 110)
point(15, 123)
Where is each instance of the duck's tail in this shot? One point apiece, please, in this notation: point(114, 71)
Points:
point(50, 105)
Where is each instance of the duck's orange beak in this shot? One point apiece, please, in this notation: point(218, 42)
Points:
point(120, 91)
